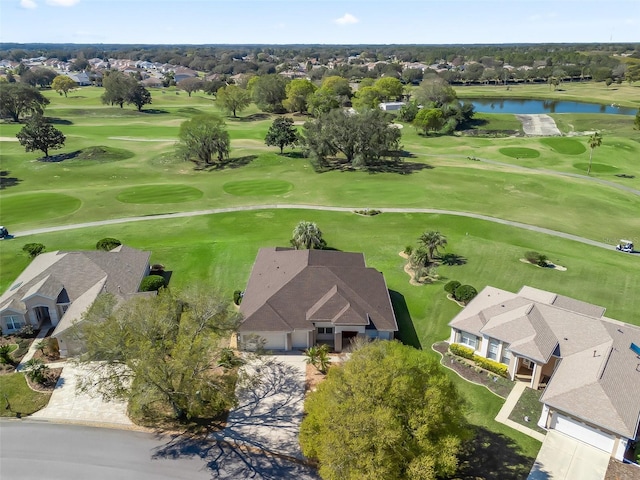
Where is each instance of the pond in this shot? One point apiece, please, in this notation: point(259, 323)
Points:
point(498, 105)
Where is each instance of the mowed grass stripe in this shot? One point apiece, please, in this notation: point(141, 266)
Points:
point(159, 194)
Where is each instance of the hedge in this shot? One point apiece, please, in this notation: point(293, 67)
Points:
point(152, 283)
point(461, 351)
point(465, 293)
point(486, 363)
point(451, 286)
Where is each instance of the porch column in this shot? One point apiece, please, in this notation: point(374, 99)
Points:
point(337, 341)
point(287, 341)
point(536, 376)
point(513, 367)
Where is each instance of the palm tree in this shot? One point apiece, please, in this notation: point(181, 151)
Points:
point(307, 235)
point(595, 141)
point(432, 241)
point(418, 260)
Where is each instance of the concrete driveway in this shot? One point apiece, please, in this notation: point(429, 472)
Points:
point(68, 406)
point(270, 406)
point(565, 458)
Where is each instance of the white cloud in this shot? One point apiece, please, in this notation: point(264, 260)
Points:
point(346, 19)
point(62, 3)
point(30, 4)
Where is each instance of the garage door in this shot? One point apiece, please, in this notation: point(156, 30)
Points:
point(268, 341)
point(582, 432)
point(300, 339)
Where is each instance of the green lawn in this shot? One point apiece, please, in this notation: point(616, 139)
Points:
point(16, 396)
point(528, 410)
point(140, 174)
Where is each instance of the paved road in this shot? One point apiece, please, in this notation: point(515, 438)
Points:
point(35, 451)
point(213, 211)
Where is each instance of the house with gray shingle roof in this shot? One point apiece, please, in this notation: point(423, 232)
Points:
point(588, 364)
point(298, 298)
point(58, 287)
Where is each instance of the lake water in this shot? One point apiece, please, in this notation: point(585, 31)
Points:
point(498, 105)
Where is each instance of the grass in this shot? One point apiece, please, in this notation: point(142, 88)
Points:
point(159, 194)
point(528, 406)
point(218, 250)
point(17, 398)
point(520, 152)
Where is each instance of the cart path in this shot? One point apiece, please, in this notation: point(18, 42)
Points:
point(213, 211)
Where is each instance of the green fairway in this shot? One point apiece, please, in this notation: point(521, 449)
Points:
point(159, 194)
point(37, 206)
point(257, 187)
point(564, 146)
point(125, 165)
point(520, 152)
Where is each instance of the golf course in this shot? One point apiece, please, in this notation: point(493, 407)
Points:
point(121, 163)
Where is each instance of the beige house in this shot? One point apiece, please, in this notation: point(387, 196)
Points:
point(58, 287)
point(588, 364)
point(298, 298)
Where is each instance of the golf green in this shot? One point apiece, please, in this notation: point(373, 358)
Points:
point(165, 193)
point(565, 146)
point(35, 207)
point(595, 167)
point(520, 152)
point(257, 187)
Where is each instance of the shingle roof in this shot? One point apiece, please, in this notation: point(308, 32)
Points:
point(291, 289)
point(598, 377)
point(119, 271)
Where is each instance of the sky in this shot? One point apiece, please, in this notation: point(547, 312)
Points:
point(319, 21)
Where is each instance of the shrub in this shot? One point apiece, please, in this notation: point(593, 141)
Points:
point(5, 355)
point(237, 297)
point(53, 349)
point(465, 293)
point(536, 258)
point(107, 244)
point(461, 351)
point(33, 249)
point(491, 365)
point(26, 331)
point(408, 250)
point(36, 370)
point(228, 359)
point(152, 283)
point(451, 286)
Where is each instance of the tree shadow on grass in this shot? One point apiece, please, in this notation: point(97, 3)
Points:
point(6, 181)
point(385, 166)
point(452, 259)
point(58, 121)
point(293, 155)
point(59, 157)
point(406, 331)
point(230, 163)
point(153, 111)
point(251, 118)
point(489, 455)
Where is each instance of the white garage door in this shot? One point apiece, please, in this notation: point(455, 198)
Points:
point(268, 341)
point(582, 432)
point(299, 339)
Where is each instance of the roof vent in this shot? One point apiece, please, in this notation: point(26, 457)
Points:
point(15, 286)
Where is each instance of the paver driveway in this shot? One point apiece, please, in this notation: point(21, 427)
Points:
point(270, 409)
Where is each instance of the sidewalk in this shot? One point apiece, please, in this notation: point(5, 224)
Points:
point(32, 349)
point(505, 411)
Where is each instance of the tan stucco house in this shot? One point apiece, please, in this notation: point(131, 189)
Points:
point(588, 364)
point(58, 287)
point(298, 298)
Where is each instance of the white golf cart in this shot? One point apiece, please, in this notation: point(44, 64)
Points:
point(625, 246)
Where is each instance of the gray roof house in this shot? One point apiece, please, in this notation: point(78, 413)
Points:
point(298, 298)
point(58, 287)
point(588, 364)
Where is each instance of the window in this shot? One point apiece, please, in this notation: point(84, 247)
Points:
point(13, 322)
point(493, 349)
point(468, 339)
point(506, 356)
point(325, 330)
point(527, 363)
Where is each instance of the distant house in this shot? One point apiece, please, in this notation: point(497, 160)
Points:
point(298, 298)
point(58, 287)
point(391, 106)
point(81, 78)
point(588, 365)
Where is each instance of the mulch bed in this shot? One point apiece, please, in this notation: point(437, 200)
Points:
point(52, 376)
point(467, 371)
point(622, 471)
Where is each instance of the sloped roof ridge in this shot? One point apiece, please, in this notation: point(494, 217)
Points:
point(352, 294)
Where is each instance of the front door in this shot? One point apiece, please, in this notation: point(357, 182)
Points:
point(42, 315)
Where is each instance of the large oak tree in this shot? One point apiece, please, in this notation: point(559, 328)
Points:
point(204, 137)
point(390, 412)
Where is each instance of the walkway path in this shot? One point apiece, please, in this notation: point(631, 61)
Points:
point(33, 348)
point(213, 211)
point(507, 408)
